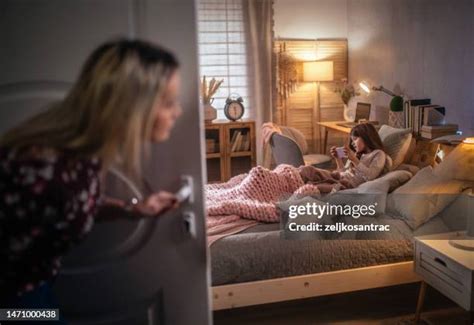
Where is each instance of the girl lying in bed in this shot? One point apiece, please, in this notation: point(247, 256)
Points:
point(254, 195)
point(366, 160)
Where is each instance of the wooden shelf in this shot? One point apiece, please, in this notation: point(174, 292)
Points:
point(213, 155)
point(224, 164)
point(241, 153)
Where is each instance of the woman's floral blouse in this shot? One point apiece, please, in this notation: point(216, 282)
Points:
point(46, 205)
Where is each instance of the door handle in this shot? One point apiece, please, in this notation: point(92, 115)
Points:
point(186, 191)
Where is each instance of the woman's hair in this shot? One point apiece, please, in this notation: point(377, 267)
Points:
point(369, 135)
point(107, 113)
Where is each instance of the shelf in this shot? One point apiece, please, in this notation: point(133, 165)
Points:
point(241, 153)
point(224, 164)
point(213, 155)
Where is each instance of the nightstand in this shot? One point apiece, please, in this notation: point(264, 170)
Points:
point(446, 268)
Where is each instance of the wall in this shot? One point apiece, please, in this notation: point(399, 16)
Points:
point(310, 19)
point(422, 47)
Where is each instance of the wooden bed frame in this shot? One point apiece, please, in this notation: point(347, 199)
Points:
point(312, 285)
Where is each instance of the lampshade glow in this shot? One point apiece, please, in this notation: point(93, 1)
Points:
point(365, 87)
point(318, 71)
point(468, 140)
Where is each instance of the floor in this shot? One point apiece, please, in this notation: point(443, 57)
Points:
point(392, 305)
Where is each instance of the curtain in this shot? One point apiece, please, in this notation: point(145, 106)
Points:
point(258, 19)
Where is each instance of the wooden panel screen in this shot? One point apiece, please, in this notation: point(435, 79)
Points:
point(296, 100)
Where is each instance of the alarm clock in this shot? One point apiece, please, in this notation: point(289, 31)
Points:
point(234, 109)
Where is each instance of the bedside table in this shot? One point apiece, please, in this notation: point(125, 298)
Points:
point(446, 268)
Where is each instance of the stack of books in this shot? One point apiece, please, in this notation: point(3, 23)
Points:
point(436, 131)
point(427, 120)
point(240, 141)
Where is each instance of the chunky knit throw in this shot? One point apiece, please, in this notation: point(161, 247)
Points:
point(252, 196)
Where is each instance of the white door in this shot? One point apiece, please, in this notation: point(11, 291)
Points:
point(126, 271)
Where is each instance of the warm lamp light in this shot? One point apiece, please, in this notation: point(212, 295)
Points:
point(315, 71)
point(364, 87)
point(468, 140)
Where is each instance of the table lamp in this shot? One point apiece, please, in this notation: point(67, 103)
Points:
point(396, 104)
point(317, 72)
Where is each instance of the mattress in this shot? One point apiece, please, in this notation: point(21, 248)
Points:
point(259, 253)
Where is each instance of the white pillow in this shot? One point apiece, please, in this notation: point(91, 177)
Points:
point(393, 179)
point(372, 192)
point(396, 143)
point(423, 197)
point(409, 168)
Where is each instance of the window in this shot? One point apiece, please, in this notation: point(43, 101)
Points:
point(222, 49)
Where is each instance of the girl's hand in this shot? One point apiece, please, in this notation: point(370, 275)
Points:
point(156, 204)
point(268, 129)
point(350, 154)
point(333, 152)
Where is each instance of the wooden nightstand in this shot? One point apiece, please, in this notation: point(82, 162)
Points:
point(446, 268)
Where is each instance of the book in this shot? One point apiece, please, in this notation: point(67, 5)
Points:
point(246, 145)
point(232, 140)
point(237, 142)
point(434, 115)
point(242, 142)
point(245, 142)
point(439, 128)
point(235, 138)
point(429, 135)
point(453, 139)
point(410, 111)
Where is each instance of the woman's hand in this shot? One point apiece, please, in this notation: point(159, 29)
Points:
point(333, 152)
point(156, 204)
point(268, 129)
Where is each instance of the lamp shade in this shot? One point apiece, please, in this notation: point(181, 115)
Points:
point(318, 71)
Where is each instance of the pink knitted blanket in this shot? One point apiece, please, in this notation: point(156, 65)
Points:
point(247, 199)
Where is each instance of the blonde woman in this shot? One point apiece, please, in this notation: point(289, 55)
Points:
point(51, 166)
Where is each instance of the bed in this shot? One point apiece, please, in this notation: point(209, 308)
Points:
point(257, 266)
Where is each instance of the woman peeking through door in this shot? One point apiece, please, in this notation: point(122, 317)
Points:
point(51, 165)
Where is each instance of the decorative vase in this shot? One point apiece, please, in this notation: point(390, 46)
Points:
point(349, 110)
point(396, 119)
point(210, 113)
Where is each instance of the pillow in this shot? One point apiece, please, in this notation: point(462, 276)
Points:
point(423, 197)
point(396, 143)
point(372, 192)
point(409, 168)
point(393, 180)
point(411, 150)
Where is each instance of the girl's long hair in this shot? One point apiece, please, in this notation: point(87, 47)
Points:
point(108, 111)
point(369, 135)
